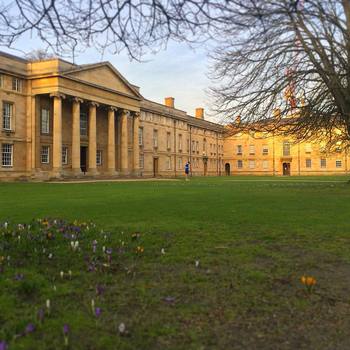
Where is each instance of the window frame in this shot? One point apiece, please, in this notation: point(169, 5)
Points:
point(10, 117)
point(42, 154)
point(46, 131)
point(64, 155)
point(99, 158)
point(3, 155)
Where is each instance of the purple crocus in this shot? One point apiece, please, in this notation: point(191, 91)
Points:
point(65, 330)
point(98, 312)
point(19, 277)
point(30, 328)
point(100, 289)
point(3, 345)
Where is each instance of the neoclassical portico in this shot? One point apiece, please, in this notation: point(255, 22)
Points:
point(115, 117)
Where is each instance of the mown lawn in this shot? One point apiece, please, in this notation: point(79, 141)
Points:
point(252, 239)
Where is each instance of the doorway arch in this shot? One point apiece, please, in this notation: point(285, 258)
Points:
point(227, 169)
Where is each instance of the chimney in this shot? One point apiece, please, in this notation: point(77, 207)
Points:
point(238, 119)
point(200, 113)
point(169, 102)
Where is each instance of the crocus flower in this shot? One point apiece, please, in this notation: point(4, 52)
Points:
point(197, 263)
point(3, 345)
point(66, 334)
point(99, 289)
point(98, 312)
point(70, 274)
point(62, 274)
point(48, 306)
point(122, 328)
point(162, 251)
point(93, 305)
point(30, 328)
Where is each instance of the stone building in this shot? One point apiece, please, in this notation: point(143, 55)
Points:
point(262, 153)
point(65, 120)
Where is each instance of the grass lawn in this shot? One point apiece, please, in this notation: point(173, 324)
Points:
point(253, 239)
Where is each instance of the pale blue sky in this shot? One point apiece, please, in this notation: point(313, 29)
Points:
point(178, 71)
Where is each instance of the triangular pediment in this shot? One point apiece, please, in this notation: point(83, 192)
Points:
point(105, 76)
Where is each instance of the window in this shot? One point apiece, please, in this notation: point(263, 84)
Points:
point(265, 164)
point(265, 150)
point(188, 146)
point(140, 136)
point(1, 80)
point(45, 150)
point(251, 150)
point(286, 148)
point(179, 163)
point(98, 157)
point(251, 164)
point(239, 163)
point(180, 142)
point(7, 154)
point(239, 150)
point(308, 148)
point(168, 163)
point(155, 138)
point(338, 164)
point(168, 140)
point(308, 163)
point(45, 121)
point(83, 124)
point(205, 146)
point(323, 162)
point(141, 161)
point(197, 147)
point(7, 114)
point(64, 155)
point(16, 84)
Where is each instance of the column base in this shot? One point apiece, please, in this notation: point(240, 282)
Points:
point(125, 172)
point(112, 172)
point(92, 172)
point(77, 172)
point(136, 172)
point(55, 173)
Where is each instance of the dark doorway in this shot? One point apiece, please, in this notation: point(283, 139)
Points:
point(286, 169)
point(205, 168)
point(83, 159)
point(155, 167)
point(227, 169)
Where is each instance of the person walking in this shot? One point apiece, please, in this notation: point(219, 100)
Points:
point(187, 170)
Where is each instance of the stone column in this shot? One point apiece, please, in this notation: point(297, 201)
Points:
point(124, 161)
point(92, 170)
point(57, 134)
point(76, 136)
point(136, 160)
point(111, 140)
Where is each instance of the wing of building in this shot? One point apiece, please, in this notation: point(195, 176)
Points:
point(62, 120)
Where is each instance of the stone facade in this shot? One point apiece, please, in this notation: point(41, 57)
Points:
point(61, 120)
point(266, 154)
point(64, 120)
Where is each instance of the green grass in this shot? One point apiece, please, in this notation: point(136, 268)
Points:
point(253, 237)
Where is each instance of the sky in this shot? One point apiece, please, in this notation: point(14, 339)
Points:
point(177, 71)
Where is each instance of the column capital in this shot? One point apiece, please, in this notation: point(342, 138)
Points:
point(135, 114)
point(93, 104)
point(112, 108)
point(124, 111)
point(78, 100)
point(58, 95)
